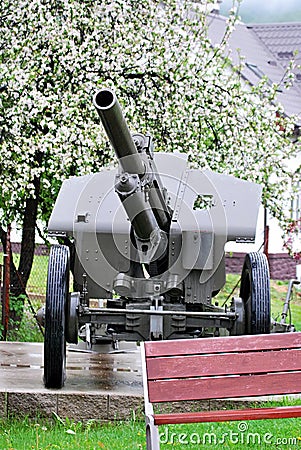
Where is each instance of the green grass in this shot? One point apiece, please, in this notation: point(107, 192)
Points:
point(41, 435)
point(278, 295)
point(27, 330)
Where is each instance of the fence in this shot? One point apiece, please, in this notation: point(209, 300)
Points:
point(282, 267)
point(36, 286)
point(26, 328)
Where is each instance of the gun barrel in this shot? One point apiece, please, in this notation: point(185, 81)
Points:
point(118, 132)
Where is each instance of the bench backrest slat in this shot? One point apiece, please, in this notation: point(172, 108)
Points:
point(217, 368)
point(224, 387)
point(222, 344)
point(223, 364)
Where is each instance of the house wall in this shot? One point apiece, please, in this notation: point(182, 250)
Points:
point(282, 266)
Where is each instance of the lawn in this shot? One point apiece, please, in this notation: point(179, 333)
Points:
point(278, 294)
point(58, 434)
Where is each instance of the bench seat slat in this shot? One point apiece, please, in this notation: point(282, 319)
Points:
point(224, 415)
point(223, 364)
point(224, 387)
point(222, 344)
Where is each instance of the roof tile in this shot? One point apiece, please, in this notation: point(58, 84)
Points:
point(268, 48)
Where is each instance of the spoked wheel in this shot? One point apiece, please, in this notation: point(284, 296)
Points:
point(55, 317)
point(255, 294)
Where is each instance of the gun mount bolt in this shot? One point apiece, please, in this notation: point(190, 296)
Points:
point(124, 178)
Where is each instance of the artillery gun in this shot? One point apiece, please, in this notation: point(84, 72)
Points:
point(148, 250)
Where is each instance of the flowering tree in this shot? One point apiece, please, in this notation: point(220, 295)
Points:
point(170, 80)
point(293, 239)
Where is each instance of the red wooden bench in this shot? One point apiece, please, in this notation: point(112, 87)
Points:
point(219, 368)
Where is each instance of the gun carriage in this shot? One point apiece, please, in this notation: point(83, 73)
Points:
point(148, 256)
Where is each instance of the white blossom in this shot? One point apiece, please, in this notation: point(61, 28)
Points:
point(169, 79)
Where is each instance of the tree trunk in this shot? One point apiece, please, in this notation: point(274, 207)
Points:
point(19, 276)
point(28, 238)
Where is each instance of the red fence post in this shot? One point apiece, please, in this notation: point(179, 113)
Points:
point(266, 234)
point(6, 284)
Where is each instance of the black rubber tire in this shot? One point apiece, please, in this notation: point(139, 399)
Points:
point(255, 293)
point(55, 316)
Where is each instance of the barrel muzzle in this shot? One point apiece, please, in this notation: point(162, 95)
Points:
point(118, 132)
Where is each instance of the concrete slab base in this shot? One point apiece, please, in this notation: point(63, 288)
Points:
point(101, 385)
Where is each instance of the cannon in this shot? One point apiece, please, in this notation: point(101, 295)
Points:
point(147, 250)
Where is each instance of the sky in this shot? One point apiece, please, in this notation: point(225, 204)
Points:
point(266, 10)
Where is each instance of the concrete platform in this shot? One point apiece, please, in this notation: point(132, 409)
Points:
point(102, 385)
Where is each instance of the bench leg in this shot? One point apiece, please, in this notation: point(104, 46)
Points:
point(152, 435)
